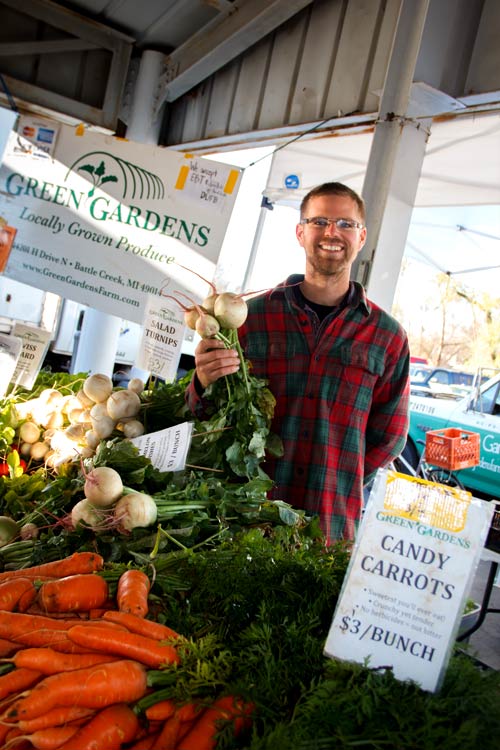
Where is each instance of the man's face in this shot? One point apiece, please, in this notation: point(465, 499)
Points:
point(331, 251)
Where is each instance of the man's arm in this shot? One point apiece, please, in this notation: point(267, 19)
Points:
point(388, 422)
point(212, 361)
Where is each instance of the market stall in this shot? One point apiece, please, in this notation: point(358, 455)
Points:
point(209, 605)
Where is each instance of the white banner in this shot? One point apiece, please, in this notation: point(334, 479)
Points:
point(404, 592)
point(107, 222)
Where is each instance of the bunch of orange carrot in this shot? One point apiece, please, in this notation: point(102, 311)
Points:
point(75, 664)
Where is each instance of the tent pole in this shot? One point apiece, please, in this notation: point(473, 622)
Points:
point(389, 128)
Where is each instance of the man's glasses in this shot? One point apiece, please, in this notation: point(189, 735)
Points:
point(321, 222)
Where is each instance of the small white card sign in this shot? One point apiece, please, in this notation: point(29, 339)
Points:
point(408, 578)
point(35, 344)
point(10, 349)
point(163, 333)
point(166, 449)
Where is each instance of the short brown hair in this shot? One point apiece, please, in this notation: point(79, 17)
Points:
point(334, 188)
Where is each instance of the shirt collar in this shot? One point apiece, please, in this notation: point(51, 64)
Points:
point(356, 298)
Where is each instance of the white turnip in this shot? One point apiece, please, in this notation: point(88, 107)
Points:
point(76, 432)
point(136, 385)
point(39, 451)
point(85, 512)
point(103, 486)
point(53, 421)
point(92, 439)
point(98, 387)
point(74, 415)
point(123, 404)
point(191, 315)
point(209, 302)
point(132, 428)
point(207, 326)
point(8, 530)
point(29, 432)
point(52, 398)
point(103, 426)
point(29, 531)
point(84, 451)
point(25, 450)
point(230, 310)
point(98, 411)
point(84, 400)
point(135, 510)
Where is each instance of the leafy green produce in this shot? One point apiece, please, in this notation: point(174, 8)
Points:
point(256, 610)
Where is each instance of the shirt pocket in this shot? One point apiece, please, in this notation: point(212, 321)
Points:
point(358, 355)
point(360, 368)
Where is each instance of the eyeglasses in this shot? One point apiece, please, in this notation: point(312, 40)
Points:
point(321, 222)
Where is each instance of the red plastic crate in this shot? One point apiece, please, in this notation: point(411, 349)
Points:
point(452, 448)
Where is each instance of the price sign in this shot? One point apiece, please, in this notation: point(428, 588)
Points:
point(166, 449)
point(408, 579)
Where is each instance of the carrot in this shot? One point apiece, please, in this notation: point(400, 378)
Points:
point(141, 626)
point(161, 711)
point(78, 562)
point(167, 739)
point(49, 661)
point(27, 599)
point(55, 717)
point(94, 687)
point(17, 680)
point(73, 593)
point(36, 609)
point(132, 592)
point(189, 711)
point(55, 639)
point(7, 647)
point(12, 591)
point(47, 739)
point(203, 734)
point(128, 645)
point(145, 743)
point(58, 639)
point(110, 729)
point(14, 624)
point(14, 734)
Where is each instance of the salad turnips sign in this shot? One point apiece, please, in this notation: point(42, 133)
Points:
point(107, 222)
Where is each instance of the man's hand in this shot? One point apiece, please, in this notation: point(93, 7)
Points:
point(213, 361)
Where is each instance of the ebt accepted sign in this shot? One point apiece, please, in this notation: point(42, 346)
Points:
point(106, 222)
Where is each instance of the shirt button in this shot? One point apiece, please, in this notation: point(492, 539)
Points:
point(300, 471)
point(304, 322)
point(310, 394)
point(305, 433)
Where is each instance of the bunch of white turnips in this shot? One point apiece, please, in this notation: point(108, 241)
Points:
point(59, 429)
point(108, 504)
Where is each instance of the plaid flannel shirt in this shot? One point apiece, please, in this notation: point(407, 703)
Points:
point(341, 387)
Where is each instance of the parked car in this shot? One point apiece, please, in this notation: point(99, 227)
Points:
point(479, 411)
point(441, 380)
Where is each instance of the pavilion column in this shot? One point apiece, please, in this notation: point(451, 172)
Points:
point(98, 343)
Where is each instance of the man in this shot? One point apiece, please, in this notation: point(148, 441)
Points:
point(337, 364)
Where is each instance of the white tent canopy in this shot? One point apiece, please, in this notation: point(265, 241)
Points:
point(461, 165)
point(455, 224)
